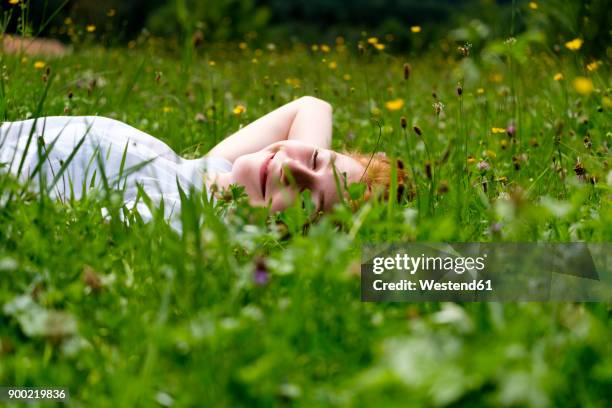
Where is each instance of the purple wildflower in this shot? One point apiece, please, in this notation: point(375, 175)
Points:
point(261, 275)
point(483, 166)
point(496, 227)
point(511, 130)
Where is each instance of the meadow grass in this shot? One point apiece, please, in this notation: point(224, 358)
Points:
point(254, 309)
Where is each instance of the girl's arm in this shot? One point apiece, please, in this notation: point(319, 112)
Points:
point(307, 119)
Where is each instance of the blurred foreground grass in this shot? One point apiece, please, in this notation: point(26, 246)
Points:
point(503, 147)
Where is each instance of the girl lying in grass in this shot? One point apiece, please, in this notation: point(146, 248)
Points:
point(274, 158)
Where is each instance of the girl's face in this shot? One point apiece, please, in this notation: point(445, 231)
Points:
point(277, 174)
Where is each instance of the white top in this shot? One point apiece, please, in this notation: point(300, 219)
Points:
point(148, 161)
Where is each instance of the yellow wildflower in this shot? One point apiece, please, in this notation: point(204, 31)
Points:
point(212, 63)
point(592, 66)
point(574, 45)
point(13, 2)
point(295, 82)
point(167, 109)
point(39, 64)
point(314, 47)
point(415, 29)
point(583, 85)
point(533, 5)
point(497, 77)
point(239, 109)
point(480, 91)
point(346, 77)
point(607, 102)
point(395, 104)
point(498, 130)
point(503, 143)
point(372, 40)
point(471, 160)
point(254, 60)
point(90, 28)
point(333, 65)
point(490, 154)
point(243, 45)
point(325, 48)
point(379, 47)
point(558, 76)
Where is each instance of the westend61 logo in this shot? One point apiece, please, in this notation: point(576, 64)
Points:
point(411, 264)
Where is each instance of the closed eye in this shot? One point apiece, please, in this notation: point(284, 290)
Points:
point(314, 159)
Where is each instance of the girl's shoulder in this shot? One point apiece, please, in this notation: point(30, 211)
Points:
point(217, 164)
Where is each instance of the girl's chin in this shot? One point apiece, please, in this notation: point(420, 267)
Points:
point(243, 174)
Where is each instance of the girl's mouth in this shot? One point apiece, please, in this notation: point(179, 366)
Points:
point(263, 173)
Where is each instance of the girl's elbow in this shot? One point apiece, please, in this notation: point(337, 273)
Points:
point(314, 101)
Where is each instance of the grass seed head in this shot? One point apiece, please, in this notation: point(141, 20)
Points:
point(443, 187)
point(407, 71)
point(428, 172)
point(91, 279)
point(579, 169)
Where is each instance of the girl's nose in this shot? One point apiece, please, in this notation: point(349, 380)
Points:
point(294, 171)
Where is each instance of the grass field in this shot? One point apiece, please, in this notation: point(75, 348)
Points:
point(252, 309)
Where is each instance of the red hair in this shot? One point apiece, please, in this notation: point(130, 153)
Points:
point(377, 176)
